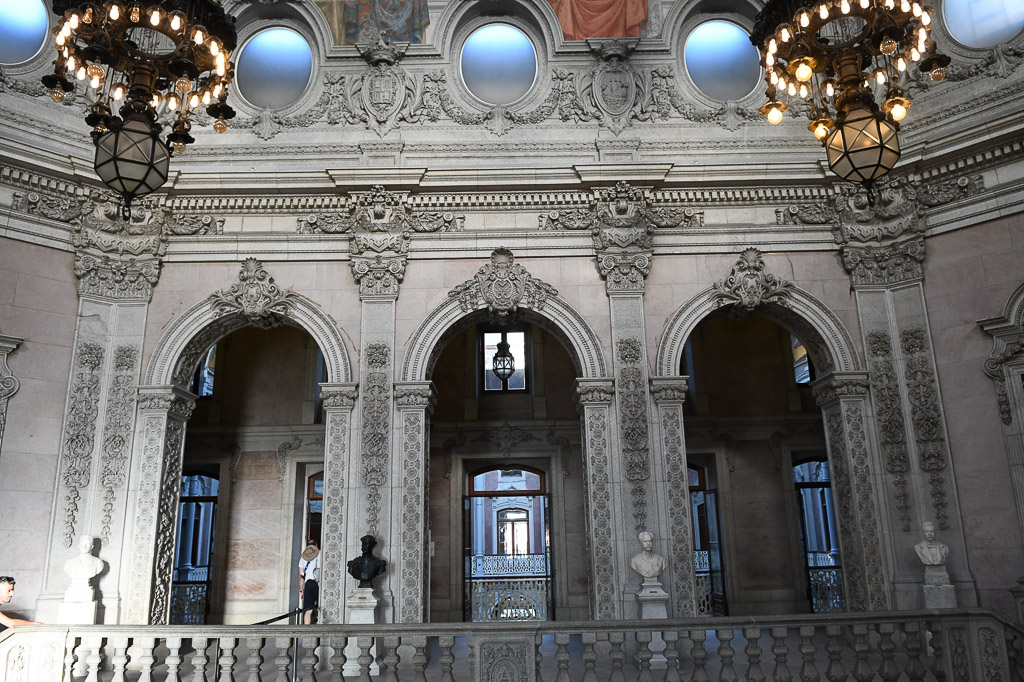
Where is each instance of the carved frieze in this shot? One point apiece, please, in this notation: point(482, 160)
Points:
point(668, 389)
point(853, 573)
point(506, 438)
point(749, 285)
point(80, 432)
point(113, 278)
point(677, 481)
point(167, 501)
point(117, 431)
point(9, 383)
point(255, 297)
point(504, 286)
point(889, 414)
point(931, 194)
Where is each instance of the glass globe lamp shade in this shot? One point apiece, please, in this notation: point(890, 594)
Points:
point(503, 364)
point(131, 159)
point(862, 146)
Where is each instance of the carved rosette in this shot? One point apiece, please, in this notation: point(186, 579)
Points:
point(80, 432)
point(114, 278)
point(749, 286)
point(926, 416)
point(255, 296)
point(504, 286)
point(117, 431)
point(889, 415)
point(338, 401)
point(9, 383)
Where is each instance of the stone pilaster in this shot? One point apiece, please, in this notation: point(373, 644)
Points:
point(606, 550)
point(415, 402)
point(338, 401)
point(669, 454)
point(163, 412)
point(9, 383)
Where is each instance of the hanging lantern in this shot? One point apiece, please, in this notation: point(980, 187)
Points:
point(131, 158)
point(503, 364)
point(863, 146)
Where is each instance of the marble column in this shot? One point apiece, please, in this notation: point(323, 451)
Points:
point(410, 468)
point(669, 454)
point(338, 401)
point(157, 458)
point(608, 551)
point(9, 383)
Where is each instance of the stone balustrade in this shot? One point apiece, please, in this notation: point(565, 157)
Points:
point(956, 645)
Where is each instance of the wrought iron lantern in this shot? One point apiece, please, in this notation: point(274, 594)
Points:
point(167, 57)
point(842, 57)
point(503, 363)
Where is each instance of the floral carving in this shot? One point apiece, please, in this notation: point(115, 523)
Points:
point(889, 408)
point(679, 509)
point(959, 655)
point(868, 529)
point(992, 656)
point(633, 424)
point(115, 278)
point(117, 430)
point(624, 272)
point(380, 211)
point(332, 574)
point(378, 276)
point(506, 661)
point(80, 432)
point(599, 507)
point(892, 264)
point(413, 510)
point(846, 506)
point(166, 522)
point(503, 285)
point(376, 415)
point(255, 297)
point(506, 438)
point(748, 286)
point(378, 355)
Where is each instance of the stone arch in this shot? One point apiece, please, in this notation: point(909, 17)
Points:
point(179, 350)
point(556, 316)
point(831, 347)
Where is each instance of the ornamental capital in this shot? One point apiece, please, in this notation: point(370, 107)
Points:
point(412, 394)
point(831, 388)
point(171, 400)
point(594, 392)
point(894, 263)
point(339, 396)
point(669, 389)
point(115, 278)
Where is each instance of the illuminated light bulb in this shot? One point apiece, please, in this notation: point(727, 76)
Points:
point(938, 73)
point(175, 22)
point(830, 89)
point(65, 30)
point(136, 14)
point(804, 19)
point(897, 112)
point(922, 34)
point(890, 4)
point(823, 11)
point(774, 78)
point(844, 7)
point(803, 91)
point(917, 9)
point(94, 83)
point(214, 47)
point(774, 115)
point(172, 102)
point(179, 147)
point(155, 102)
point(804, 72)
point(220, 126)
point(791, 89)
point(117, 92)
point(901, 64)
point(73, 21)
point(905, 6)
point(769, 60)
point(154, 17)
point(773, 47)
point(193, 100)
point(784, 34)
point(71, 63)
point(217, 90)
point(221, 71)
point(926, 18)
point(821, 127)
point(60, 39)
point(58, 95)
point(914, 54)
point(206, 96)
point(221, 60)
point(197, 37)
point(114, 12)
point(80, 74)
point(880, 77)
point(864, 4)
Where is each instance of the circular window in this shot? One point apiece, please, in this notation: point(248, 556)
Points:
point(499, 63)
point(721, 60)
point(273, 68)
point(983, 23)
point(23, 31)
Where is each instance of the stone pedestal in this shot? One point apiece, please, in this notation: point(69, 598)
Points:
point(654, 606)
point(938, 592)
point(78, 608)
point(360, 609)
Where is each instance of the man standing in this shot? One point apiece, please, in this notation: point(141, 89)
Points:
point(6, 594)
point(309, 580)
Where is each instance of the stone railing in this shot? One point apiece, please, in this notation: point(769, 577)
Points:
point(968, 645)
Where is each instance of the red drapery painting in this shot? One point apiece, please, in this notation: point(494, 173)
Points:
point(582, 19)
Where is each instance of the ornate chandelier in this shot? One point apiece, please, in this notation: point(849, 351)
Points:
point(164, 57)
point(841, 57)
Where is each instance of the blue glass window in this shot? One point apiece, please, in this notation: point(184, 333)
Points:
point(722, 61)
point(273, 68)
point(983, 23)
point(22, 30)
point(499, 63)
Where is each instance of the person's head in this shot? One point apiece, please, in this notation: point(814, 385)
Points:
point(6, 588)
point(928, 528)
point(313, 542)
point(368, 542)
point(85, 544)
point(646, 540)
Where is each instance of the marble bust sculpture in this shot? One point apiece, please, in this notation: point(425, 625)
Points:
point(933, 555)
point(82, 569)
point(647, 563)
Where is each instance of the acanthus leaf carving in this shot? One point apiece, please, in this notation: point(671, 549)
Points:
point(255, 296)
point(633, 424)
point(117, 430)
point(749, 286)
point(503, 286)
point(506, 438)
point(889, 411)
point(116, 278)
point(80, 432)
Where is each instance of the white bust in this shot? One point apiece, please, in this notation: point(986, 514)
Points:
point(82, 569)
point(930, 551)
point(647, 563)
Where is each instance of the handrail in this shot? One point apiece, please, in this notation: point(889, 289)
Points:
point(268, 621)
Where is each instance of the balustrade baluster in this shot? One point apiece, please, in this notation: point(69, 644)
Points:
point(808, 670)
point(255, 659)
point(69, 657)
point(589, 639)
point(173, 659)
point(780, 649)
point(937, 642)
point(81, 668)
point(309, 658)
point(284, 656)
point(446, 642)
point(726, 654)
point(912, 643)
point(120, 658)
point(753, 651)
point(145, 659)
point(226, 660)
point(699, 655)
point(94, 659)
point(644, 655)
point(887, 670)
point(365, 659)
point(1013, 653)
point(616, 655)
point(835, 672)
point(199, 659)
point(419, 657)
point(387, 659)
point(861, 670)
point(671, 638)
point(337, 659)
point(562, 657)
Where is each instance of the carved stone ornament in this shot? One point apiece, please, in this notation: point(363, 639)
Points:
point(625, 272)
point(9, 383)
point(80, 431)
point(506, 438)
point(668, 389)
point(255, 296)
point(112, 278)
point(384, 88)
point(895, 263)
point(338, 397)
point(748, 286)
point(889, 417)
point(614, 86)
point(378, 277)
point(503, 285)
point(506, 660)
point(117, 432)
point(379, 210)
point(421, 396)
point(159, 400)
point(594, 392)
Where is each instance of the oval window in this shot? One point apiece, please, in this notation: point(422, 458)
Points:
point(273, 68)
point(23, 31)
point(498, 63)
point(983, 23)
point(721, 60)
